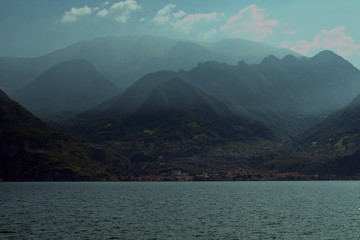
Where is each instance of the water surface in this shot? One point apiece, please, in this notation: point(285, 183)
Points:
point(180, 210)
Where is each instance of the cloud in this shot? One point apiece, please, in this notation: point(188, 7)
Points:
point(73, 14)
point(334, 39)
point(164, 14)
point(179, 14)
point(210, 33)
point(181, 21)
point(120, 11)
point(251, 22)
point(187, 23)
point(103, 13)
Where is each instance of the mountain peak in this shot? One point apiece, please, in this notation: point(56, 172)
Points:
point(66, 89)
point(290, 58)
point(208, 64)
point(178, 95)
point(326, 53)
point(327, 56)
point(270, 59)
point(73, 65)
point(242, 63)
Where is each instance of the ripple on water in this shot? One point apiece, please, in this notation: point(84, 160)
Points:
point(207, 210)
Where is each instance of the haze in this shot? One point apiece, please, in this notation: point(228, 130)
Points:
point(34, 28)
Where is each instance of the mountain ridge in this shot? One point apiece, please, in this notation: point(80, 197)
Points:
point(122, 59)
point(222, 116)
point(288, 92)
point(65, 90)
point(30, 150)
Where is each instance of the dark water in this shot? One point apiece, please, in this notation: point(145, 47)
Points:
point(180, 210)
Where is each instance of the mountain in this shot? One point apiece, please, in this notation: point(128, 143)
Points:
point(329, 149)
point(66, 89)
point(31, 150)
point(315, 84)
point(179, 56)
point(157, 100)
point(15, 73)
point(235, 50)
point(130, 99)
point(176, 104)
point(288, 94)
point(337, 134)
point(178, 111)
point(125, 59)
point(176, 96)
point(171, 124)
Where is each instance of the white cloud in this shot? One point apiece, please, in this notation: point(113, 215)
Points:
point(73, 14)
point(181, 21)
point(251, 22)
point(103, 13)
point(164, 14)
point(186, 24)
point(334, 39)
point(120, 11)
point(179, 14)
point(210, 33)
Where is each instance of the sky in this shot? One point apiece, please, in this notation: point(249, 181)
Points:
point(36, 27)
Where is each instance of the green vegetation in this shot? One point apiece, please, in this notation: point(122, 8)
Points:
point(175, 121)
point(335, 141)
point(31, 150)
point(225, 121)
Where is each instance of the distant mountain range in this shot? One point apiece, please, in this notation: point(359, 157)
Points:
point(177, 110)
point(284, 113)
point(125, 59)
point(284, 97)
point(65, 90)
point(288, 94)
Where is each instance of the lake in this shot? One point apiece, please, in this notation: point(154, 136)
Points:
point(180, 210)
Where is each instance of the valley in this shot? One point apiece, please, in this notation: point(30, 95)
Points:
point(282, 117)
